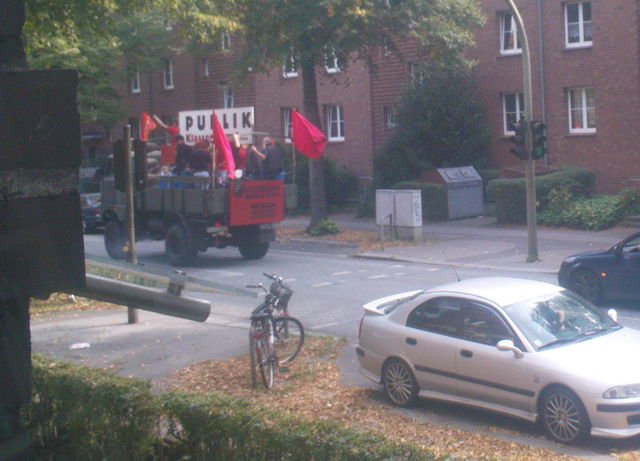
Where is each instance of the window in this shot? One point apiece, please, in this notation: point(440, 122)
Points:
point(577, 17)
point(509, 40)
point(416, 72)
point(582, 110)
point(167, 73)
point(386, 48)
point(287, 123)
point(205, 67)
point(290, 66)
point(331, 61)
point(135, 81)
point(225, 41)
point(335, 123)
point(440, 315)
point(389, 116)
point(227, 96)
point(513, 110)
point(482, 325)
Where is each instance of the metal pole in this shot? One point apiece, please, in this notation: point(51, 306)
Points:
point(132, 314)
point(532, 239)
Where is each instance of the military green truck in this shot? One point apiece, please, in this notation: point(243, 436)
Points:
point(191, 215)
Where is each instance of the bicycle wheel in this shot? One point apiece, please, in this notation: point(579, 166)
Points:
point(252, 355)
point(265, 361)
point(289, 336)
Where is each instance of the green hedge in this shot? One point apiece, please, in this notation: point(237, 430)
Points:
point(83, 413)
point(434, 198)
point(510, 194)
point(487, 176)
point(592, 213)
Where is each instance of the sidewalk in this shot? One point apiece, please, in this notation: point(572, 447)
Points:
point(482, 244)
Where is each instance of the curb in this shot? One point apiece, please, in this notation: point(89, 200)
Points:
point(450, 264)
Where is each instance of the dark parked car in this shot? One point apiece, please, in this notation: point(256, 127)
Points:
point(609, 273)
point(91, 206)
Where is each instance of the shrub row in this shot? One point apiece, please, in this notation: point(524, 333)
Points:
point(83, 413)
point(510, 194)
point(434, 198)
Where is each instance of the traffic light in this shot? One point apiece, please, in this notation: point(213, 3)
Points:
point(538, 139)
point(519, 149)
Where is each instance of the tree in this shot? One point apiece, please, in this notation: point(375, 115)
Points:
point(351, 29)
point(441, 124)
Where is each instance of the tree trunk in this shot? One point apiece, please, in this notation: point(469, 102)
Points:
point(317, 200)
point(12, 54)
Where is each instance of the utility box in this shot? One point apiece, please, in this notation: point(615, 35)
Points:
point(464, 190)
point(399, 214)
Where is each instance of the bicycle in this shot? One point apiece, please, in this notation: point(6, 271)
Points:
point(275, 337)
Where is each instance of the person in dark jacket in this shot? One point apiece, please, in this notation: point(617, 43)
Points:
point(274, 163)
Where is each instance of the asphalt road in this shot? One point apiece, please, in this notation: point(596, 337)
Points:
point(330, 288)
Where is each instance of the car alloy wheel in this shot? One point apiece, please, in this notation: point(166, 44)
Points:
point(586, 284)
point(399, 383)
point(564, 416)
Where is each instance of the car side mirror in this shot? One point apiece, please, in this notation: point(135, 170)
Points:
point(613, 314)
point(507, 345)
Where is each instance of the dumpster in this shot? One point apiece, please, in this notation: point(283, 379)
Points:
point(464, 190)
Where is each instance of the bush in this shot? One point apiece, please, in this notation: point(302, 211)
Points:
point(435, 206)
point(592, 213)
point(510, 194)
point(340, 184)
point(83, 413)
point(325, 227)
point(487, 176)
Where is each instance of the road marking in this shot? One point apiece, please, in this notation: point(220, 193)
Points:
point(397, 266)
point(289, 280)
point(363, 270)
point(432, 269)
point(341, 273)
point(323, 284)
point(381, 276)
point(228, 273)
point(399, 274)
point(326, 325)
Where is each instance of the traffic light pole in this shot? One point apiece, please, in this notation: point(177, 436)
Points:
point(532, 231)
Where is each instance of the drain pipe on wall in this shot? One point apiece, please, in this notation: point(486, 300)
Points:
point(543, 101)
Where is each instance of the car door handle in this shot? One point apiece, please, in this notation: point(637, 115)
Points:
point(411, 341)
point(466, 353)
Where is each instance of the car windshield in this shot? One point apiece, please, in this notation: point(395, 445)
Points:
point(559, 318)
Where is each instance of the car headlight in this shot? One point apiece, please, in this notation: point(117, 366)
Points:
point(569, 260)
point(622, 392)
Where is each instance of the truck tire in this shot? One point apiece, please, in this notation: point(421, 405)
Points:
point(115, 239)
point(253, 250)
point(177, 247)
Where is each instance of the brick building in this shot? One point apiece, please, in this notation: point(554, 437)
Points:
point(586, 83)
point(586, 88)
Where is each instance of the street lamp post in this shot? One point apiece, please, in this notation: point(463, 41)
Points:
point(528, 116)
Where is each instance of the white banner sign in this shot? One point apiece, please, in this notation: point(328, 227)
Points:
point(198, 124)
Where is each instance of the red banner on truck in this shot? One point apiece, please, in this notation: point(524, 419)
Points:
point(256, 202)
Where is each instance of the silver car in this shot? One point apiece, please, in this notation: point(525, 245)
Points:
point(519, 347)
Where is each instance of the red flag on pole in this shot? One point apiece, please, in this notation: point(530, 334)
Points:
point(223, 148)
point(147, 126)
point(307, 138)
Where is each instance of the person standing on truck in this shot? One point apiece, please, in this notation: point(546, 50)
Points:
point(173, 131)
point(255, 162)
point(274, 163)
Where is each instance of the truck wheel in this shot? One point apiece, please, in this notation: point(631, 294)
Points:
point(115, 239)
point(177, 247)
point(253, 250)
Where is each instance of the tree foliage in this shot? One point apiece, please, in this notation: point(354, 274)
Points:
point(441, 124)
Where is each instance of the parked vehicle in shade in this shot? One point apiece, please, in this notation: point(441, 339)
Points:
point(523, 348)
point(90, 201)
point(608, 273)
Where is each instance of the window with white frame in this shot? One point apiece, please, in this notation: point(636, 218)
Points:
point(513, 111)
point(509, 40)
point(167, 73)
point(331, 61)
point(290, 66)
point(390, 117)
point(577, 19)
point(582, 110)
point(416, 72)
point(205, 67)
point(287, 123)
point(227, 96)
point(335, 123)
point(225, 41)
point(135, 81)
point(386, 48)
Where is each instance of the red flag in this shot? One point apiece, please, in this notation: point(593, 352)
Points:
point(147, 126)
point(307, 138)
point(223, 148)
